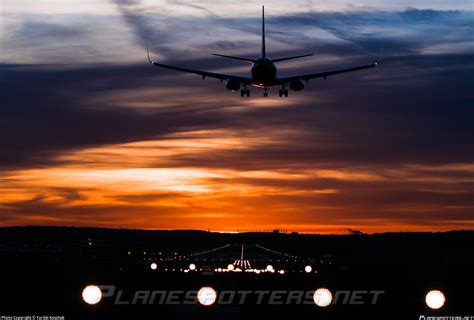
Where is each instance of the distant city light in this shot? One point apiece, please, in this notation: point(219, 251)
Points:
point(192, 267)
point(91, 294)
point(206, 296)
point(308, 269)
point(269, 268)
point(435, 299)
point(153, 266)
point(322, 297)
point(230, 267)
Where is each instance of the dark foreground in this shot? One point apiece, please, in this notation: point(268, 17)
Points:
point(385, 276)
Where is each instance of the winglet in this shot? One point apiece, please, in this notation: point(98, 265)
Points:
point(380, 57)
point(148, 54)
point(264, 52)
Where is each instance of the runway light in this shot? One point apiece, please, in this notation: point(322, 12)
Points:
point(91, 294)
point(269, 268)
point(281, 272)
point(153, 266)
point(435, 299)
point(322, 297)
point(308, 269)
point(230, 267)
point(192, 267)
point(206, 296)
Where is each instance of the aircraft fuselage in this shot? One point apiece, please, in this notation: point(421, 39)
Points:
point(263, 72)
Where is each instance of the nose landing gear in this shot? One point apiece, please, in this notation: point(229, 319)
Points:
point(265, 94)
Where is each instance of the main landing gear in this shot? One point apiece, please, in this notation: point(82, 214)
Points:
point(245, 92)
point(283, 92)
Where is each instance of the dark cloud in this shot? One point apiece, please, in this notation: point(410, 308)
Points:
point(46, 31)
point(408, 110)
point(47, 110)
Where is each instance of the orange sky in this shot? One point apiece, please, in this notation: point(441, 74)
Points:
point(141, 185)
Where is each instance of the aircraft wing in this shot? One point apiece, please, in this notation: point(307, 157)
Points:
point(309, 76)
point(204, 74)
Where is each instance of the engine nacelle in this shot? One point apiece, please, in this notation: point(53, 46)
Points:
point(297, 85)
point(232, 85)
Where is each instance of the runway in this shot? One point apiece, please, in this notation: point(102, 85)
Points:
point(178, 275)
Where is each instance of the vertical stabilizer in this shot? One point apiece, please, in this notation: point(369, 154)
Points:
point(264, 54)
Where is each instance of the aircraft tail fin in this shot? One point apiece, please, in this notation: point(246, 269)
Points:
point(292, 57)
point(264, 53)
point(232, 57)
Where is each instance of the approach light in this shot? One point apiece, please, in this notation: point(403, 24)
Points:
point(435, 299)
point(269, 268)
point(91, 294)
point(192, 267)
point(153, 266)
point(308, 269)
point(206, 296)
point(230, 267)
point(322, 297)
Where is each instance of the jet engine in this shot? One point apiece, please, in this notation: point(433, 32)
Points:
point(297, 85)
point(233, 85)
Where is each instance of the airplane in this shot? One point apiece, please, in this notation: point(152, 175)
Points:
point(263, 72)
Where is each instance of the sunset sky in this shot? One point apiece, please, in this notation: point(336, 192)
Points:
point(92, 135)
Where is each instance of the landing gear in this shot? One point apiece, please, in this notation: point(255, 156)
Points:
point(245, 92)
point(283, 92)
point(265, 94)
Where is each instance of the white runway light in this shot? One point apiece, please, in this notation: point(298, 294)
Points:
point(206, 296)
point(322, 297)
point(153, 266)
point(91, 294)
point(269, 268)
point(435, 299)
point(308, 269)
point(230, 267)
point(192, 267)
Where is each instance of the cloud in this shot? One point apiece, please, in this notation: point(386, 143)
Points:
point(385, 118)
point(181, 30)
point(347, 32)
point(379, 149)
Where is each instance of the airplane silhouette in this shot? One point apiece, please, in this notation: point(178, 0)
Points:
point(264, 72)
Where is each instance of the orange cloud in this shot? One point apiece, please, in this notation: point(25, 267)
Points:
point(141, 185)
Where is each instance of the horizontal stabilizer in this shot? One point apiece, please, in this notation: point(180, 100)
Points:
point(232, 57)
point(293, 57)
